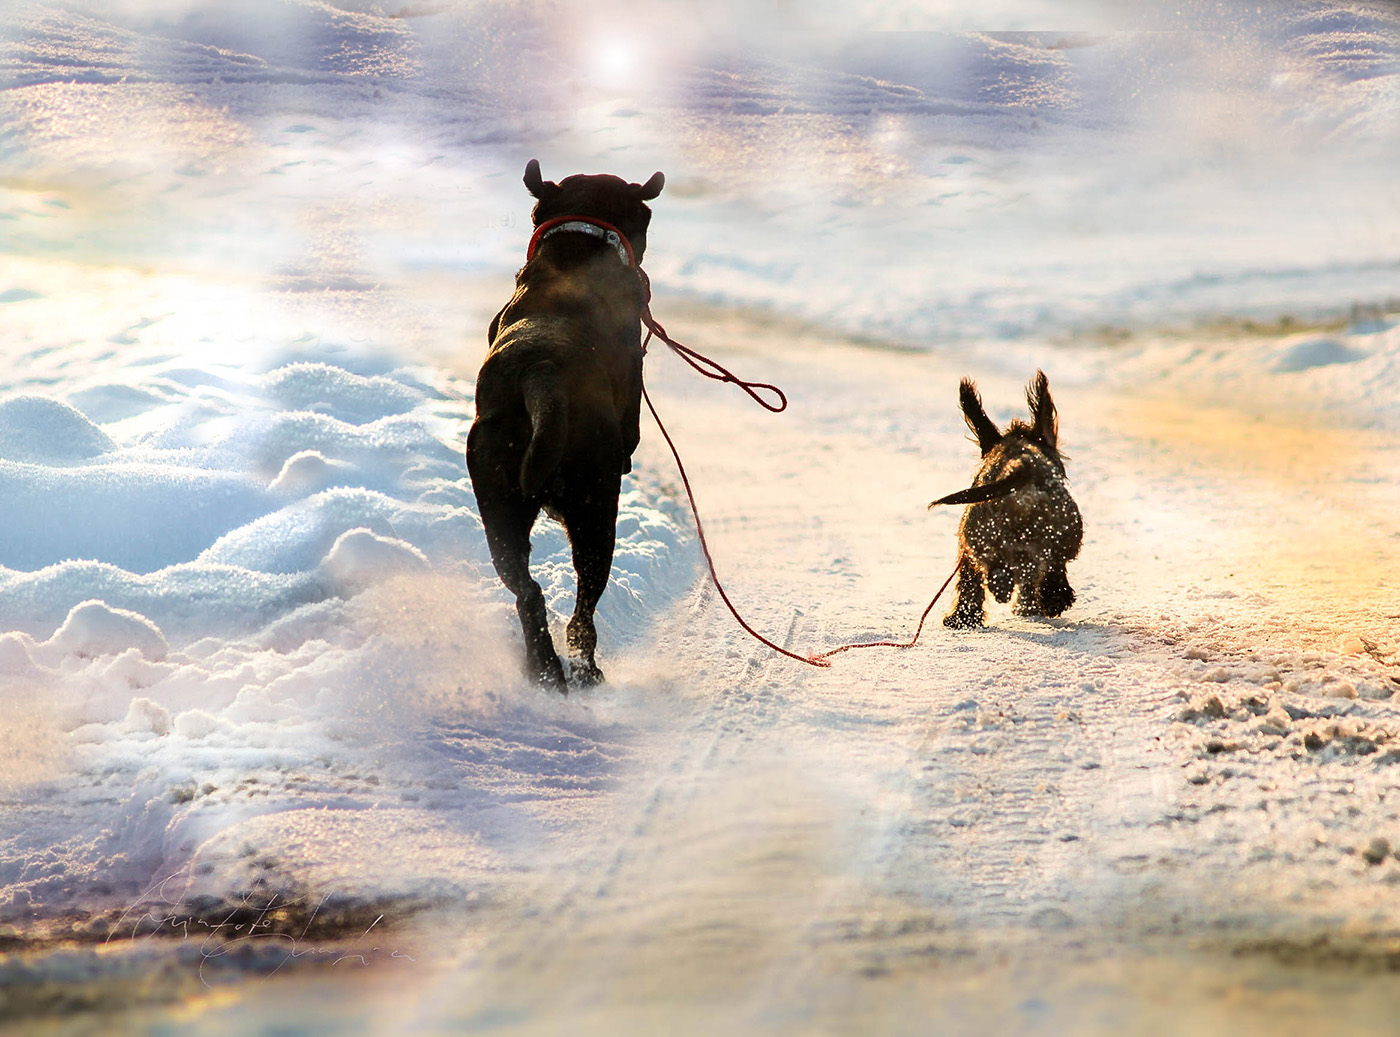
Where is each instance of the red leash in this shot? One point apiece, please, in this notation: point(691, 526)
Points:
point(705, 544)
point(709, 368)
point(713, 370)
point(893, 644)
point(816, 658)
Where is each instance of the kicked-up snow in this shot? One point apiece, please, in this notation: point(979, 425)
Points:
point(187, 646)
point(262, 725)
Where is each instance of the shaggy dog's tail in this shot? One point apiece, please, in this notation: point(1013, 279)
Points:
point(548, 406)
point(1004, 487)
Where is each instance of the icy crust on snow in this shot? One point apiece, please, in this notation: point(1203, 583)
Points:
point(1344, 374)
point(1163, 163)
point(216, 591)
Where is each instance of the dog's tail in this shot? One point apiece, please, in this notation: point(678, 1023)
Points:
point(548, 406)
point(1003, 487)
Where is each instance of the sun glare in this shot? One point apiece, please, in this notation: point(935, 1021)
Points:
point(615, 62)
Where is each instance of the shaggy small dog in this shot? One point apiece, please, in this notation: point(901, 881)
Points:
point(558, 400)
point(1021, 526)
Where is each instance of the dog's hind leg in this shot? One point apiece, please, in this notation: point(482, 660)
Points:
point(968, 611)
point(493, 461)
point(1029, 577)
point(592, 525)
point(508, 537)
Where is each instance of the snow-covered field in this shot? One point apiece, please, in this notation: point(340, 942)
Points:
point(266, 760)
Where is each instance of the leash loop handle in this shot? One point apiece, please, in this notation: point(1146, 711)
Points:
point(713, 369)
point(704, 365)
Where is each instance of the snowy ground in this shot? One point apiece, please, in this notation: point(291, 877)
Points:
point(263, 735)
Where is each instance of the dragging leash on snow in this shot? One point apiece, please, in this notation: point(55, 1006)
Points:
point(716, 371)
point(822, 656)
point(820, 659)
point(705, 545)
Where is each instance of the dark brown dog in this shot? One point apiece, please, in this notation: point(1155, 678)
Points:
point(1021, 526)
point(558, 402)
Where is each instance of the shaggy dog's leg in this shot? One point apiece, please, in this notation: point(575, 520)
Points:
point(1056, 594)
point(1028, 576)
point(1001, 581)
point(967, 612)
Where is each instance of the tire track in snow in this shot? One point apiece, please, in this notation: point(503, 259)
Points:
point(643, 899)
point(1045, 782)
point(829, 841)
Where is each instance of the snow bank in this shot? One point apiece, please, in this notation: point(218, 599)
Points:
point(1346, 376)
point(243, 581)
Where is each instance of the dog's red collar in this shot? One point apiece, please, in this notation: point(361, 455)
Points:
point(583, 225)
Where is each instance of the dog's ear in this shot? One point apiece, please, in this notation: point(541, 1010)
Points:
point(1043, 416)
point(987, 434)
point(649, 190)
point(534, 182)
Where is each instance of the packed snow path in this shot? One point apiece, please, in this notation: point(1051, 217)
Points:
point(1197, 759)
point(1181, 787)
point(1174, 794)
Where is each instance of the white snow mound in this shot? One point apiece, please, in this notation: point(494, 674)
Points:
point(310, 471)
point(39, 430)
point(360, 557)
point(94, 628)
point(145, 716)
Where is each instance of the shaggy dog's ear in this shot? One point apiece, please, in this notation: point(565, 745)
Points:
point(987, 434)
point(1043, 416)
point(649, 190)
point(534, 182)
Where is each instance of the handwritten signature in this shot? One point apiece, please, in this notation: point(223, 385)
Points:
point(260, 933)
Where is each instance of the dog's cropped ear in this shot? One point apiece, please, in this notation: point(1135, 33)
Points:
point(987, 434)
point(1043, 416)
point(535, 183)
point(649, 190)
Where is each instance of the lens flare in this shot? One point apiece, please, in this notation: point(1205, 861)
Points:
point(615, 63)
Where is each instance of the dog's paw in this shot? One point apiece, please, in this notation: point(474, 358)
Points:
point(960, 620)
point(1056, 595)
point(585, 673)
point(1001, 583)
point(548, 673)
